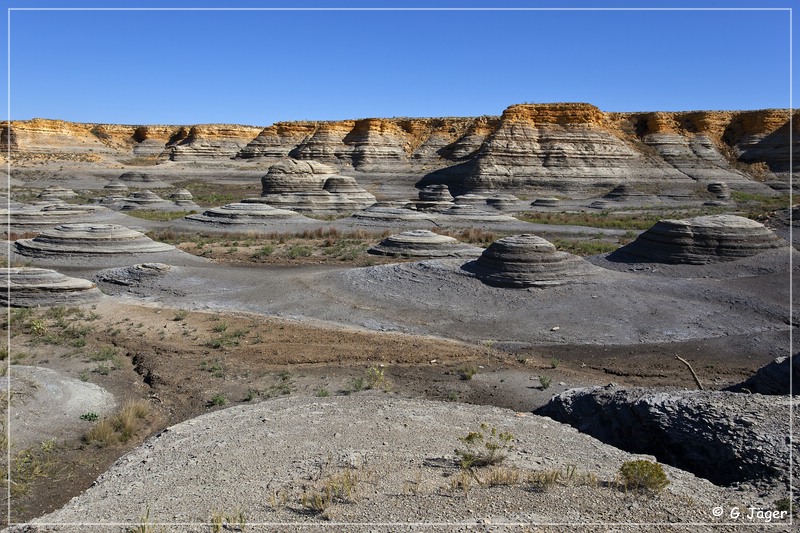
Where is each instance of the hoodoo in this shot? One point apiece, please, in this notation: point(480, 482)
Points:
point(700, 240)
point(31, 287)
point(527, 261)
point(424, 243)
point(89, 239)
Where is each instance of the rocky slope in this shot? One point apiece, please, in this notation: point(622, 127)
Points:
point(568, 147)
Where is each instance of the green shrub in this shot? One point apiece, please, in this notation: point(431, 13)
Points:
point(642, 476)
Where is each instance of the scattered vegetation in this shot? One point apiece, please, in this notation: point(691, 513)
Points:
point(544, 382)
point(340, 487)
point(121, 426)
point(603, 219)
point(484, 447)
point(217, 400)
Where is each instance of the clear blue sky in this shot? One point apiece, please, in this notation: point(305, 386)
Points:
point(259, 67)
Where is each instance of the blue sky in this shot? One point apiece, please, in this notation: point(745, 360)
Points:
point(259, 67)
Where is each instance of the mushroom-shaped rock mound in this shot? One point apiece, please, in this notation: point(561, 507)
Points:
point(470, 199)
point(424, 243)
point(54, 192)
point(50, 214)
point(292, 175)
point(700, 240)
point(145, 200)
point(89, 239)
point(312, 187)
point(392, 212)
point(183, 198)
point(30, 287)
point(625, 192)
point(116, 187)
point(527, 261)
point(141, 179)
point(720, 189)
point(502, 202)
point(133, 275)
point(470, 213)
point(246, 212)
point(547, 201)
point(435, 193)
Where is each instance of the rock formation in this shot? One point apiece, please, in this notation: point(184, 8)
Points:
point(423, 243)
point(145, 200)
point(781, 376)
point(183, 199)
point(133, 275)
point(470, 199)
point(700, 240)
point(502, 202)
point(116, 187)
point(623, 193)
point(391, 212)
point(48, 214)
point(527, 261)
point(720, 189)
point(89, 239)
point(312, 187)
point(547, 201)
point(54, 192)
point(722, 436)
point(472, 214)
point(247, 212)
point(141, 180)
point(434, 197)
point(208, 142)
point(31, 287)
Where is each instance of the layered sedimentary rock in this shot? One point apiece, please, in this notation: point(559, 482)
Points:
point(561, 146)
point(89, 239)
point(48, 214)
point(722, 436)
point(184, 199)
point(31, 287)
point(248, 212)
point(213, 141)
point(700, 240)
point(434, 197)
point(390, 212)
point(473, 214)
point(116, 187)
point(423, 243)
point(547, 201)
point(719, 189)
point(527, 261)
point(312, 187)
point(54, 192)
point(133, 275)
point(502, 202)
point(141, 180)
point(470, 199)
point(145, 200)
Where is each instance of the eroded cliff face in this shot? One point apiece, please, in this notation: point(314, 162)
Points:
point(531, 147)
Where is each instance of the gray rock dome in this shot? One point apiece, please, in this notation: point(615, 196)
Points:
point(89, 239)
point(423, 243)
point(30, 287)
point(527, 261)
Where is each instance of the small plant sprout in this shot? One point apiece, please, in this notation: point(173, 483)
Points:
point(554, 361)
point(545, 381)
point(484, 447)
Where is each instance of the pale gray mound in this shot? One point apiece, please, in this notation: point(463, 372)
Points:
point(141, 180)
point(54, 192)
point(48, 214)
point(89, 239)
point(392, 212)
point(468, 212)
point(722, 436)
point(470, 199)
point(700, 240)
point(781, 376)
point(116, 187)
point(145, 200)
point(547, 201)
point(293, 176)
point(133, 275)
point(184, 199)
point(435, 193)
point(527, 261)
point(248, 211)
point(627, 193)
point(314, 188)
point(502, 202)
point(47, 405)
point(260, 459)
point(424, 243)
point(31, 287)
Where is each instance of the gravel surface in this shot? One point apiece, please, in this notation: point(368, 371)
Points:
point(258, 461)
